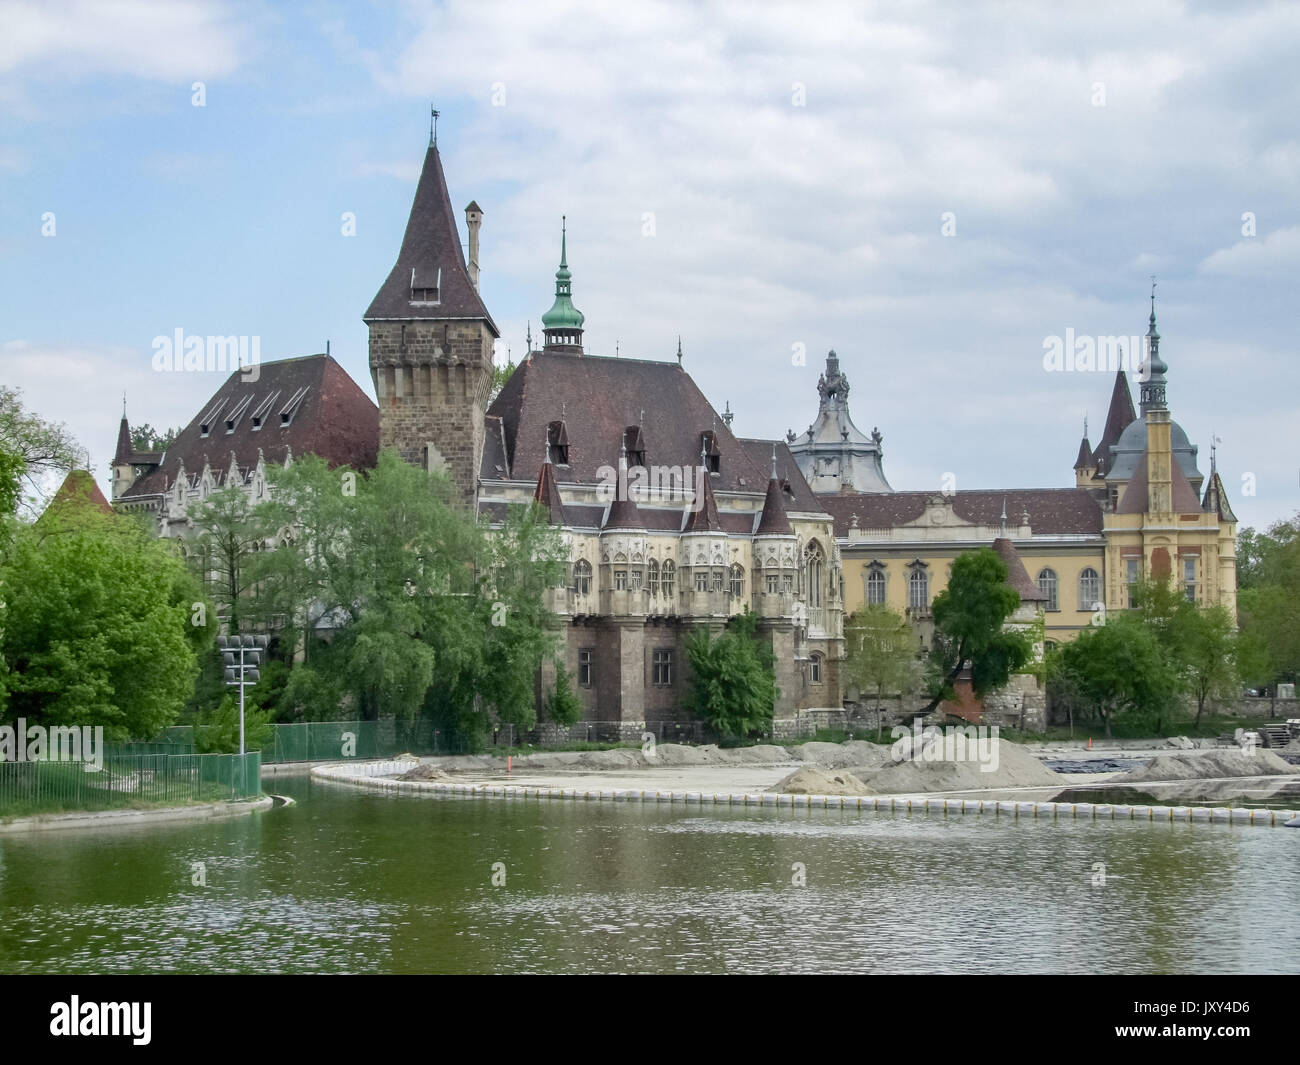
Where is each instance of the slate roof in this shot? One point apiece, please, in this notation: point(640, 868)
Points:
point(704, 519)
point(1017, 576)
point(333, 419)
point(78, 489)
point(774, 521)
point(548, 494)
point(1052, 511)
point(1085, 459)
point(1134, 499)
point(598, 398)
point(1216, 498)
point(1118, 418)
point(798, 495)
point(431, 248)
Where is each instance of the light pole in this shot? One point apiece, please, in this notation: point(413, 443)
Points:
point(250, 650)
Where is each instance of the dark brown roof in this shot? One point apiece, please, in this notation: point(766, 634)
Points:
point(1085, 460)
point(598, 398)
point(774, 521)
point(704, 517)
point(624, 514)
point(1136, 492)
point(1052, 511)
point(797, 494)
point(333, 419)
point(78, 490)
point(431, 253)
point(1216, 498)
point(1118, 418)
point(548, 494)
point(1017, 576)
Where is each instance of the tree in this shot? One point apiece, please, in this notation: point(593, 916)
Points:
point(230, 533)
point(970, 626)
point(145, 437)
point(32, 453)
point(500, 375)
point(880, 654)
point(96, 628)
point(1269, 603)
point(733, 678)
point(1208, 654)
point(1114, 669)
point(562, 705)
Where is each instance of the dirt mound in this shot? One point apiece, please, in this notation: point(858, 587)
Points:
point(1008, 766)
point(761, 754)
point(1207, 764)
point(679, 754)
point(425, 771)
point(839, 755)
point(812, 781)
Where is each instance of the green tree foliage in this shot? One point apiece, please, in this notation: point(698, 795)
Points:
point(970, 626)
point(500, 375)
point(218, 731)
point(33, 453)
point(1117, 669)
point(733, 678)
point(562, 705)
point(1268, 603)
point(96, 626)
point(1210, 656)
point(225, 552)
point(880, 654)
point(145, 437)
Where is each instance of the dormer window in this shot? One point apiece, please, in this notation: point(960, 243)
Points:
point(290, 409)
point(209, 419)
point(426, 286)
point(557, 439)
point(634, 442)
point(263, 409)
point(232, 419)
point(711, 456)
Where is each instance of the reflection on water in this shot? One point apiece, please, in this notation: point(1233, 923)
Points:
point(354, 882)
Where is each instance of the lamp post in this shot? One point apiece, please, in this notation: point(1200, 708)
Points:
point(250, 650)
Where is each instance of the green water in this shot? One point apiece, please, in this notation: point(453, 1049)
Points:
point(349, 881)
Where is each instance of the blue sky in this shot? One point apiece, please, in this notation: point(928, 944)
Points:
point(797, 162)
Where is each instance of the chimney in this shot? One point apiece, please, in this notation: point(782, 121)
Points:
point(473, 219)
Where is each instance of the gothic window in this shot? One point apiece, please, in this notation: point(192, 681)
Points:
point(666, 576)
point(582, 577)
point(719, 580)
point(634, 580)
point(875, 585)
point(701, 580)
point(787, 583)
point(813, 573)
point(815, 669)
point(662, 667)
point(1189, 578)
point(1132, 573)
point(585, 655)
point(1089, 589)
point(620, 580)
point(773, 583)
point(652, 577)
point(737, 582)
point(918, 589)
point(1047, 586)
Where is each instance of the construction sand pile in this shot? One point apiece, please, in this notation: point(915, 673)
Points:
point(1008, 766)
point(425, 771)
point(813, 781)
point(840, 755)
point(1207, 764)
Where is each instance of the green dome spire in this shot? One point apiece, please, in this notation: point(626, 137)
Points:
point(562, 324)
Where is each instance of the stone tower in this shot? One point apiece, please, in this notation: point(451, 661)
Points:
point(431, 340)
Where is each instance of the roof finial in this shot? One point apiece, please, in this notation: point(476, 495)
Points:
point(616, 348)
point(774, 460)
point(1214, 443)
point(1004, 516)
point(679, 349)
point(433, 127)
point(1153, 300)
point(1085, 425)
point(530, 337)
point(124, 403)
point(728, 414)
point(564, 240)
point(547, 460)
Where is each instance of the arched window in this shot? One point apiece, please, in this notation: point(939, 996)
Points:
point(875, 586)
point(582, 577)
point(815, 669)
point(666, 575)
point(813, 573)
point(737, 582)
point(652, 577)
point(918, 589)
point(1089, 589)
point(1047, 587)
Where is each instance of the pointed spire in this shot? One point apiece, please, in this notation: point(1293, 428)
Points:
point(547, 494)
point(679, 349)
point(1084, 461)
point(122, 456)
point(774, 521)
point(1153, 376)
point(562, 324)
point(1119, 417)
point(1004, 517)
point(704, 516)
point(430, 280)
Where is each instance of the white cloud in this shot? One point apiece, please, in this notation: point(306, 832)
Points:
point(1273, 254)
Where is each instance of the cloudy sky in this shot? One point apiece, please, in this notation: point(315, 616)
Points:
point(933, 190)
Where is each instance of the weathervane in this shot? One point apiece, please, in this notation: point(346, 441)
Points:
point(433, 127)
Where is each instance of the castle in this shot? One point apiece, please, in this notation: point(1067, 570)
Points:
point(671, 522)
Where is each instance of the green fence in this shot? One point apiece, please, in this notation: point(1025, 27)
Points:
point(328, 741)
point(127, 780)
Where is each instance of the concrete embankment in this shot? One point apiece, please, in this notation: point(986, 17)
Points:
point(100, 819)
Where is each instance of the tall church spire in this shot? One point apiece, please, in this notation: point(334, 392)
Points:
point(1153, 375)
point(562, 324)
